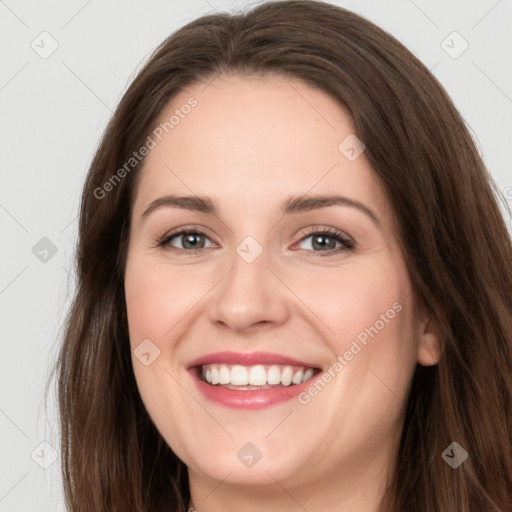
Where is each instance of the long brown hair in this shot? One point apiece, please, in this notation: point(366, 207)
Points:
point(454, 239)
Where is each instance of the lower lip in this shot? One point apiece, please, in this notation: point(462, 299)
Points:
point(249, 399)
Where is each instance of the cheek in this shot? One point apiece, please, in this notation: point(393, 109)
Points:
point(157, 297)
point(355, 301)
point(368, 314)
point(155, 302)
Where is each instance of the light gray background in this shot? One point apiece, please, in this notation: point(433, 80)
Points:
point(53, 112)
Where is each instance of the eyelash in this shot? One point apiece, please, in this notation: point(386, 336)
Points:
point(347, 243)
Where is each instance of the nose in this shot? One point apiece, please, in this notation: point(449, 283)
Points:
point(250, 297)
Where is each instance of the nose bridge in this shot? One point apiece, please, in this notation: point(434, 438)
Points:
point(249, 293)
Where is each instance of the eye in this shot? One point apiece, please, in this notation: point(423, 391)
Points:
point(323, 241)
point(326, 239)
point(192, 241)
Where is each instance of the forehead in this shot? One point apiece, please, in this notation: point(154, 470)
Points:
point(254, 139)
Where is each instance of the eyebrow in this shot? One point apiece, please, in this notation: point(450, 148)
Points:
point(293, 204)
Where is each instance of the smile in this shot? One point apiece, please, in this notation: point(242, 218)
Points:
point(254, 377)
point(250, 380)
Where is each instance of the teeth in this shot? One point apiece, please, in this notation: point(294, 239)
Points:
point(286, 376)
point(239, 376)
point(308, 374)
point(224, 375)
point(258, 375)
point(215, 375)
point(297, 377)
point(274, 375)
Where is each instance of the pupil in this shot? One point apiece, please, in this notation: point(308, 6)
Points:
point(190, 239)
point(321, 237)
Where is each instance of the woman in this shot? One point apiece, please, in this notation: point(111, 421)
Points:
point(211, 360)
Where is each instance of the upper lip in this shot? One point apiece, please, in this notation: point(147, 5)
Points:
point(248, 359)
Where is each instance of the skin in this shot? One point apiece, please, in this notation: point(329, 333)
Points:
point(250, 143)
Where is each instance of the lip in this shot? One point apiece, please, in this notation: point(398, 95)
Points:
point(248, 399)
point(248, 359)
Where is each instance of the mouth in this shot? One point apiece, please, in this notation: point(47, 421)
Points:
point(254, 377)
point(251, 380)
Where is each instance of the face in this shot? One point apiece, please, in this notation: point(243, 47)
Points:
point(275, 285)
